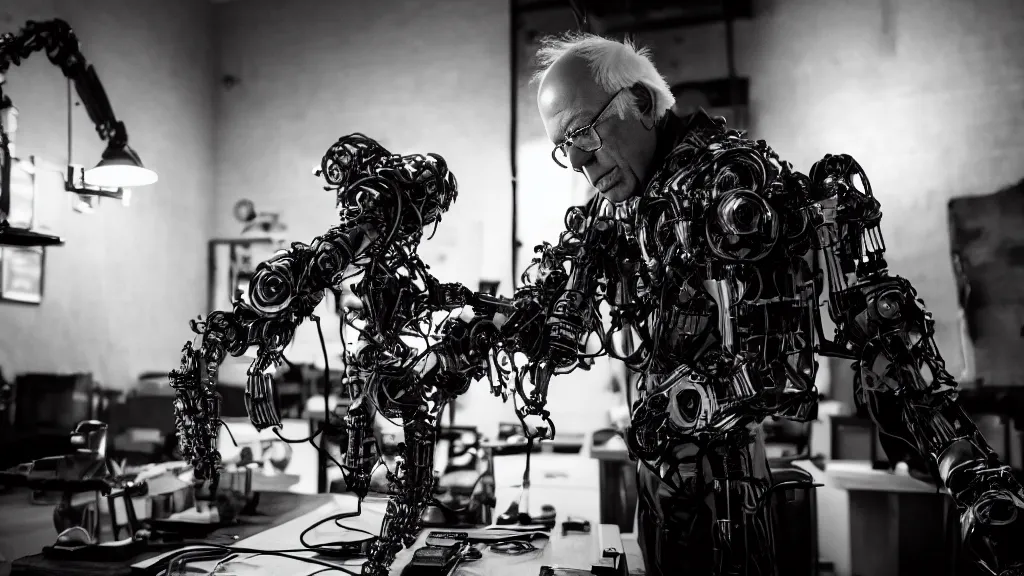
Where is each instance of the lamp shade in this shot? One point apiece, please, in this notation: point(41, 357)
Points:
point(119, 168)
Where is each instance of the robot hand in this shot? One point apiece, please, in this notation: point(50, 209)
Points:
point(992, 504)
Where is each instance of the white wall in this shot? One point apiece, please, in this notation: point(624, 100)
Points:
point(417, 78)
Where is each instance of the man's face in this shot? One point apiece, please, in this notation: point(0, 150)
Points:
point(569, 99)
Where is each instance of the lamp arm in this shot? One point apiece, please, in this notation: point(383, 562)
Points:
point(58, 40)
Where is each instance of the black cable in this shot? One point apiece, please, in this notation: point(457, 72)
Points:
point(513, 547)
point(230, 435)
point(309, 438)
point(579, 12)
point(348, 548)
point(287, 361)
point(466, 507)
point(325, 425)
point(290, 554)
point(327, 373)
point(526, 470)
point(337, 522)
point(514, 111)
point(467, 553)
point(69, 121)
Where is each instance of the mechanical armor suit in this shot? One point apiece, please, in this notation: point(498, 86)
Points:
point(727, 309)
point(707, 269)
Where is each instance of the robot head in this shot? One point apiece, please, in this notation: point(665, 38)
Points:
point(351, 157)
point(373, 184)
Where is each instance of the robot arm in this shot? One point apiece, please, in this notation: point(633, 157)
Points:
point(284, 291)
point(542, 331)
point(56, 38)
point(900, 377)
point(562, 284)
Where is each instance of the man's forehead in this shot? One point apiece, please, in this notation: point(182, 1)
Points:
point(559, 111)
point(567, 121)
point(557, 97)
point(567, 93)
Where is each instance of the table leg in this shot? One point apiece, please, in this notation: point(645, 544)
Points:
point(609, 487)
point(629, 498)
point(617, 489)
point(897, 534)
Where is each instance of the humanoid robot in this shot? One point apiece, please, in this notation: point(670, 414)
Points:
point(706, 269)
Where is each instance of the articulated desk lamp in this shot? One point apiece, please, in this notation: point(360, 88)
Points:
point(86, 469)
point(119, 168)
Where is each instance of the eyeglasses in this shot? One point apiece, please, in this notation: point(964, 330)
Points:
point(586, 138)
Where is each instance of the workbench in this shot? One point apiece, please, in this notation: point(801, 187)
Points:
point(283, 516)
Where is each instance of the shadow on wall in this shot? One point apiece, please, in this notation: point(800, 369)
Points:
point(987, 243)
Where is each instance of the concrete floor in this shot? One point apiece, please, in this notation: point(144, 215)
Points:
point(25, 528)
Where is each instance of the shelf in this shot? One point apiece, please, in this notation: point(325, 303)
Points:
point(650, 16)
point(720, 93)
point(27, 238)
point(618, 16)
point(718, 97)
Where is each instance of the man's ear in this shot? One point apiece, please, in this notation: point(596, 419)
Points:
point(644, 98)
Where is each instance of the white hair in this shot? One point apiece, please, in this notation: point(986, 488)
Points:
point(615, 65)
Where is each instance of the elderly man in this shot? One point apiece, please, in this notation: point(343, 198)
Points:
point(610, 103)
point(727, 312)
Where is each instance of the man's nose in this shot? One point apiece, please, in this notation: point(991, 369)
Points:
point(579, 158)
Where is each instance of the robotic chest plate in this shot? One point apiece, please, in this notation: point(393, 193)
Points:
point(718, 200)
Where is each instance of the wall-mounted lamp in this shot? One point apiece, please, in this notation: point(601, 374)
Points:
point(120, 167)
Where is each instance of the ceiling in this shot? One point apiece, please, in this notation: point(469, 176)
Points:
point(619, 16)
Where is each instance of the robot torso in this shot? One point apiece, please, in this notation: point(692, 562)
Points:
point(714, 264)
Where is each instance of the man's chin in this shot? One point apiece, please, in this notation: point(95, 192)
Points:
point(617, 193)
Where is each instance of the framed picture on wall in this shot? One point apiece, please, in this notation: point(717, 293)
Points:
point(21, 274)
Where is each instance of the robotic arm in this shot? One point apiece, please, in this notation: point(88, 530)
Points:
point(56, 38)
point(565, 282)
point(900, 377)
